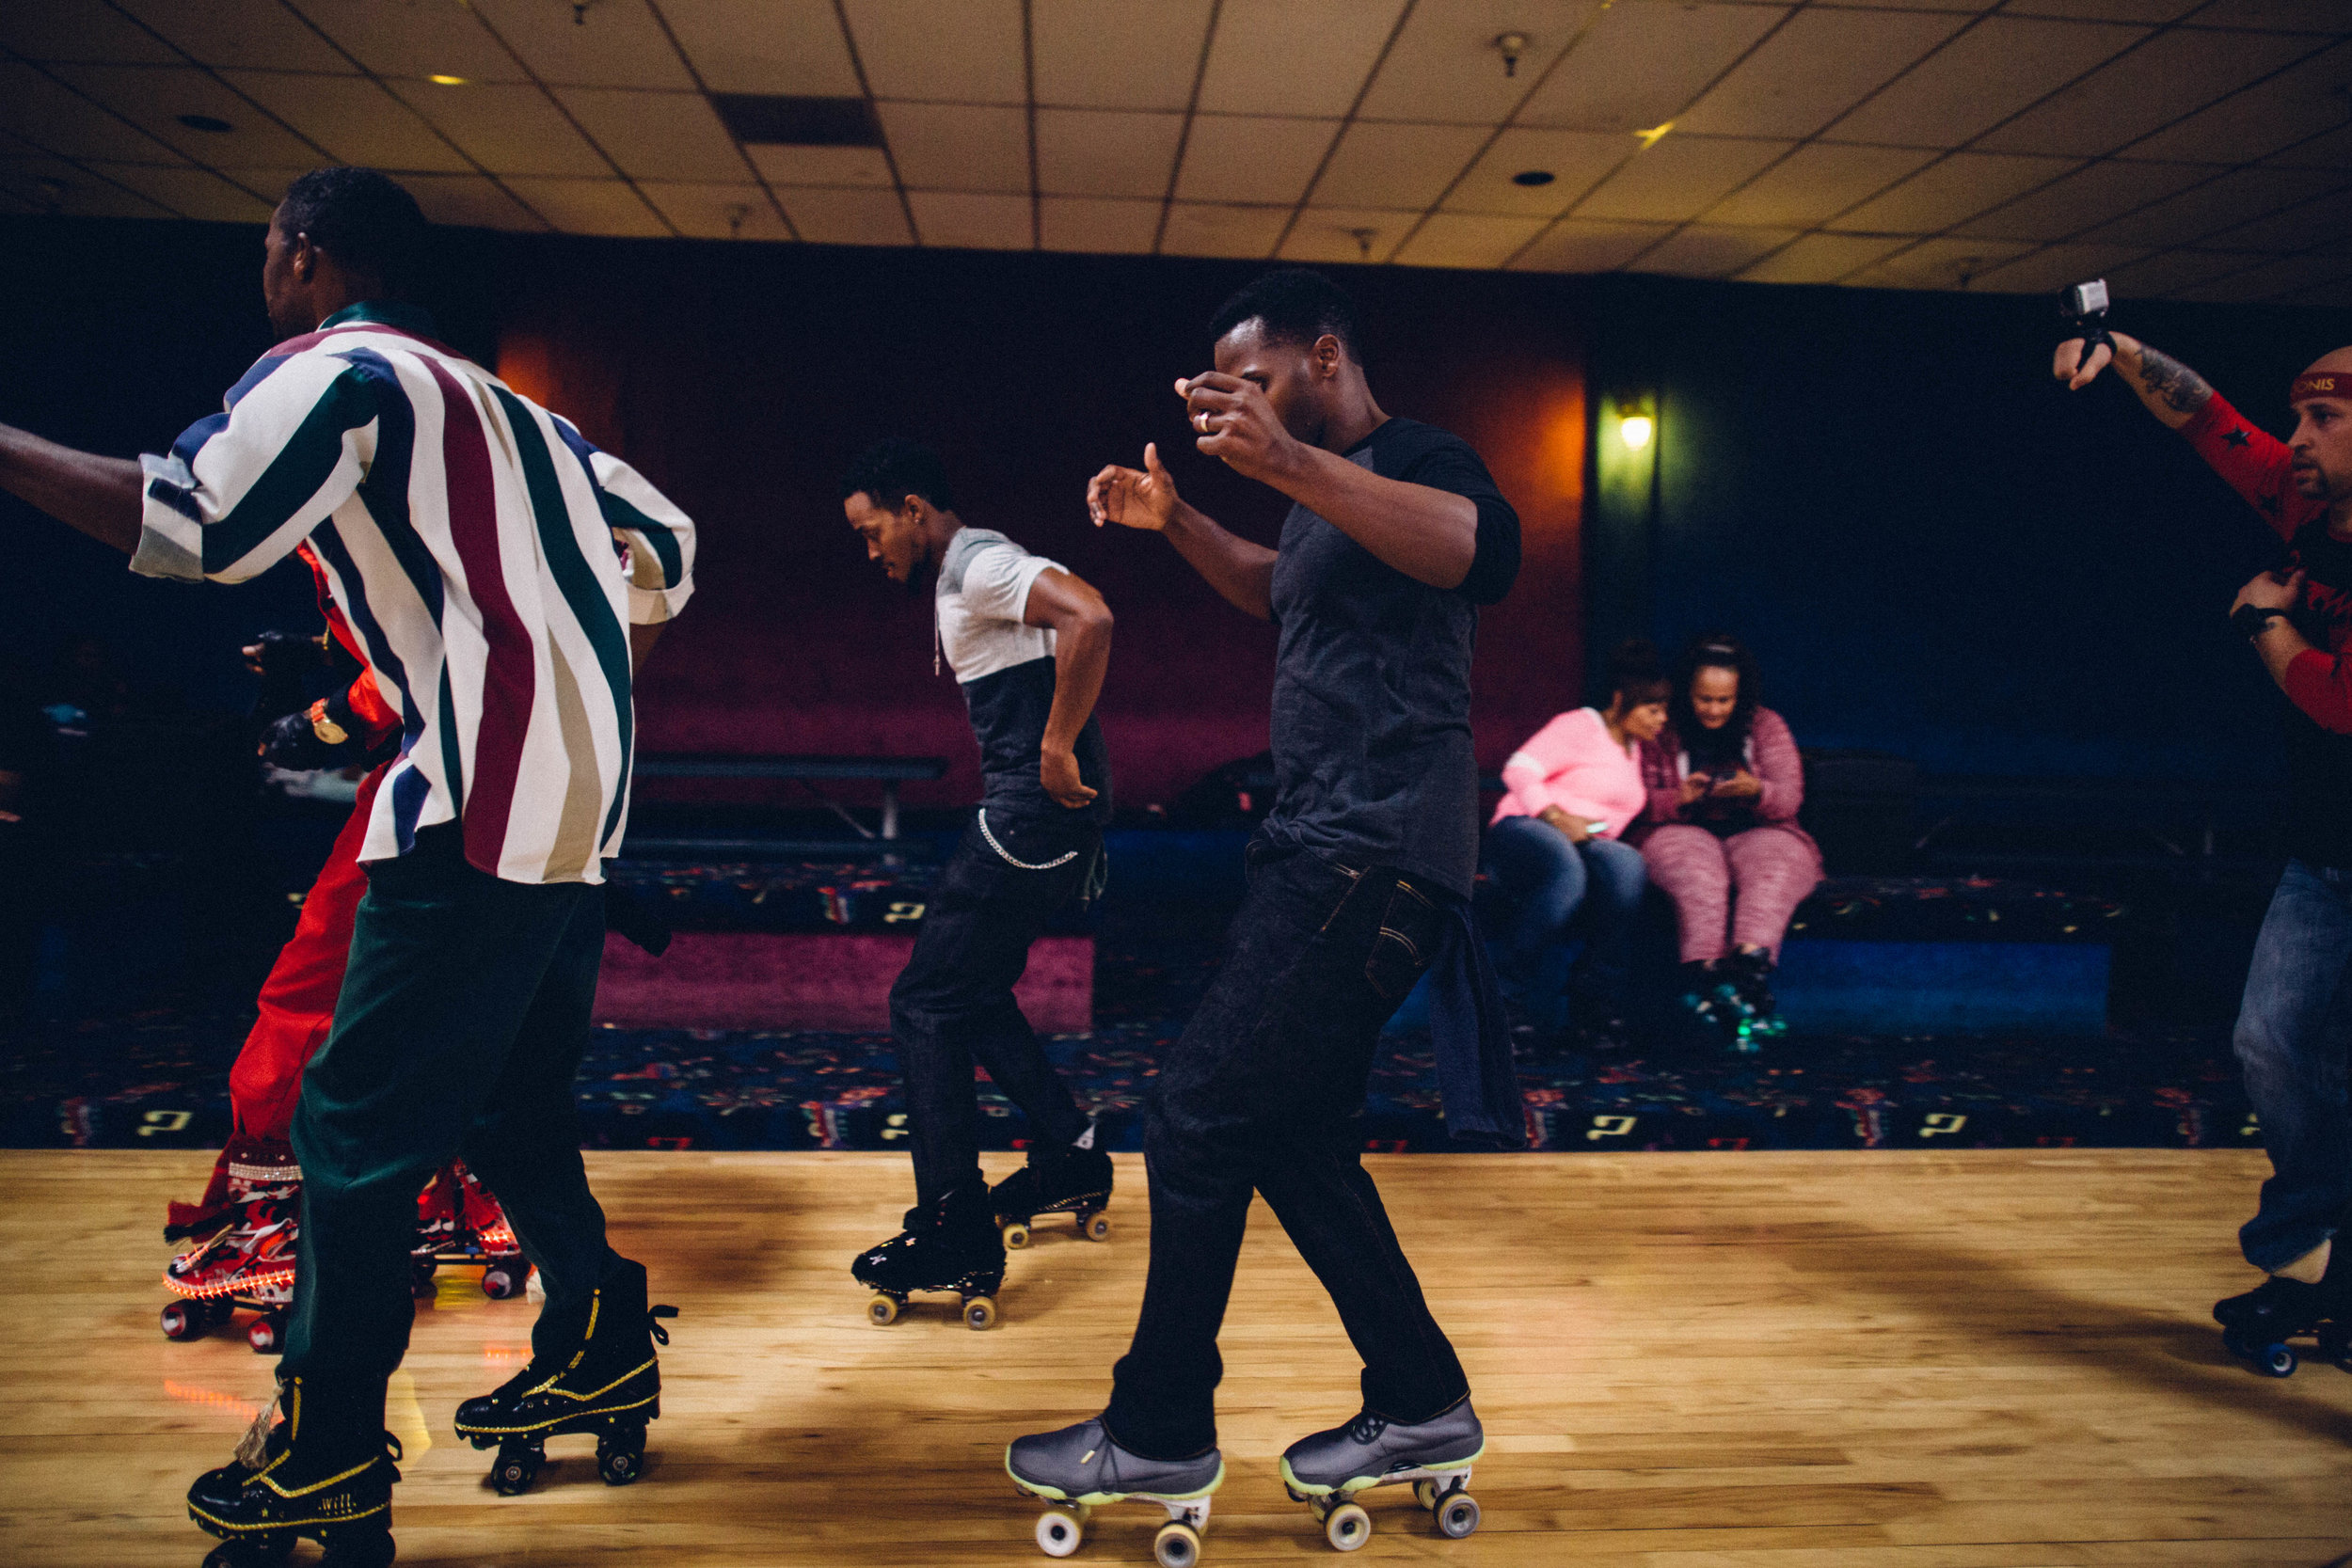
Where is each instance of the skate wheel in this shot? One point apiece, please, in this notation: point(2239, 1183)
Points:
point(980, 1312)
point(1425, 1493)
point(1457, 1515)
point(881, 1311)
point(1058, 1533)
point(1177, 1546)
point(1016, 1235)
point(264, 1335)
point(514, 1472)
point(498, 1282)
point(181, 1319)
point(2275, 1360)
point(620, 1467)
point(1347, 1526)
point(1096, 1228)
point(420, 1278)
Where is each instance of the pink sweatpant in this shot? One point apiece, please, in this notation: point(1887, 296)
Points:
point(1771, 868)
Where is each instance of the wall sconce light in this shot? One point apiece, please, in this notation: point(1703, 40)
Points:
point(1634, 427)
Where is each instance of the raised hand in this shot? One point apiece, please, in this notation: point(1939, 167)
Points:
point(1235, 424)
point(1133, 498)
point(2069, 366)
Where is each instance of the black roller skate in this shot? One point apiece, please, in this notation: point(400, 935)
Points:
point(1743, 991)
point(1075, 1182)
point(2258, 1324)
point(324, 1470)
point(592, 1369)
point(952, 1244)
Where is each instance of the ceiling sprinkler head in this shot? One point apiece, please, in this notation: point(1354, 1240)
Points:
point(1363, 238)
point(1511, 46)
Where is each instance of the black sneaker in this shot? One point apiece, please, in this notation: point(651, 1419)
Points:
point(323, 1471)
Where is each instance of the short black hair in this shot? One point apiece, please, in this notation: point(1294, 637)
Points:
point(362, 217)
point(890, 470)
point(1293, 305)
point(1635, 674)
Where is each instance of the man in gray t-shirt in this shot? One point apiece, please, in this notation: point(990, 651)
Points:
point(1029, 643)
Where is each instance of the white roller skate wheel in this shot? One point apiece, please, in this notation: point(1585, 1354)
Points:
point(1457, 1515)
point(1347, 1526)
point(1016, 1236)
point(980, 1312)
point(1058, 1532)
point(1177, 1546)
point(1425, 1493)
point(880, 1311)
point(1098, 1228)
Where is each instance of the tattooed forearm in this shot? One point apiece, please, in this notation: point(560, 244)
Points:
point(2166, 377)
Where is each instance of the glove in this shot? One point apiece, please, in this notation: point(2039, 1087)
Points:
point(325, 735)
point(282, 658)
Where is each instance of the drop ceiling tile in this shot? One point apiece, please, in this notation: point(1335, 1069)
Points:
point(1294, 57)
point(591, 207)
point(1574, 244)
point(964, 53)
point(617, 43)
point(352, 117)
point(154, 97)
point(1097, 226)
point(88, 32)
point(1576, 160)
point(821, 166)
point(1950, 192)
point(196, 193)
point(1100, 152)
point(2314, 222)
point(959, 146)
point(717, 212)
point(470, 201)
point(1981, 77)
point(1117, 55)
point(1467, 240)
point(964, 220)
point(1820, 258)
point(2103, 11)
point(259, 37)
point(1346, 235)
point(1408, 167)
point(14, 205)
point(1816, 182)
point(59, 120)
point(2090, 196)
point(2052, 268)
point(1940, 264)
point(2166, 271)
point(53, 185)
point(1202, 229)
point(2329, 150)
point(1643, 63)
point(1815, 69)
point(847, 216)
point(2307, 16)
point(2302, 102)
point(2286, 275)
point(656, 136)
point(2171, 74)
point(1704, 251)
point(2332, 297)
point(2236, 197)
point(1445, 67)
point(1246, 158)
point(415, 39)
point(791, 47)
point(1679, 178)
point(507, 129)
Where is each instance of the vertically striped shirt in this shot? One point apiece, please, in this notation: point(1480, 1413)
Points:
point(489, 558)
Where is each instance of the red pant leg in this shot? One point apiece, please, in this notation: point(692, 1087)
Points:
point(299, 999)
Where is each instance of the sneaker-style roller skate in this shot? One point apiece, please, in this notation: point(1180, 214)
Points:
point(325, 1471)
point(2259, 1324)
point(593, 1369)
point(1749, 1011)
point(950, 1246)
point(249, 1263)
point(1075, 1182)
point(1081, 1469)
point(1329, 1468)
point(459, 1223)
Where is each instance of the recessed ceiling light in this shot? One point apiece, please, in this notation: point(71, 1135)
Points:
point(439, 80)
point(205, 122)
point(1532, 177)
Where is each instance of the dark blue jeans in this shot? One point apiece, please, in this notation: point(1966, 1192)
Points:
point(2294, 1038)
point(1262, 1093)
point(953, 1005)
point(1558, 889)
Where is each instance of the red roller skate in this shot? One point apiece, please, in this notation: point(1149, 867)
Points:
point(247, 1224)
point(459, 1222)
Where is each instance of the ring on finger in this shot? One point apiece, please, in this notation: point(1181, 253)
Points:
point(1200, 423)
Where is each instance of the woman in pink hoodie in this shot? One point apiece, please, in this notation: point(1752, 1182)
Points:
point(1553, 845)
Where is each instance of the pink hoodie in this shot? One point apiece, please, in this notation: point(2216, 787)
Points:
point(1572, 763)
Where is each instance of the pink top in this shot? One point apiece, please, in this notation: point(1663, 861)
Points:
point(1771, 756)
point(1573, 764)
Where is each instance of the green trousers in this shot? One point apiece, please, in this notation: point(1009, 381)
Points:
point(458, 1033)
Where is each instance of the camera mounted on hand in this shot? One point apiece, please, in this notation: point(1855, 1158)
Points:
point(2085, 307)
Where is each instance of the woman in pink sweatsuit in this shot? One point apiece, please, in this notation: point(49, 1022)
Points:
point(1720, 833)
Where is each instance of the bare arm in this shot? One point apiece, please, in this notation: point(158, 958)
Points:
point(98, 496)
point(1239, 570)
point(2168, 389)
point(1081, 624)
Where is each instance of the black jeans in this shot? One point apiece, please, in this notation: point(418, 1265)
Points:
point(1261, 1092)
point(458, 1033)
point(953, 1005)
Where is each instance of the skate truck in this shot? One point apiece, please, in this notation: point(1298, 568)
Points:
point(1443, 1490)
point(1061, 1528)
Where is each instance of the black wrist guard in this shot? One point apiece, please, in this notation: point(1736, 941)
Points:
point(2251, 620)
point(325, 735)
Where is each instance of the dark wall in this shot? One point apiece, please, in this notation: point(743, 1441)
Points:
point(1934, 548)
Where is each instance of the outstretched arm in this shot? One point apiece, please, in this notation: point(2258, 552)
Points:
point(2168, 389)
point(98, 496)
point(1241, 571)
point(1081, 624)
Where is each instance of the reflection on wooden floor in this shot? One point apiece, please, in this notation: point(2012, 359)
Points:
point(1969, 1360)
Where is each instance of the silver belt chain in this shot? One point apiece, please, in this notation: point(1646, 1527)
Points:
point(1008, 859)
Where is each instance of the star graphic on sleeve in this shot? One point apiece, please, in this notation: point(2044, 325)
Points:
point(2236, 437)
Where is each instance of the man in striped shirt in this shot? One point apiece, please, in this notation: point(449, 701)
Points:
point(470, 539)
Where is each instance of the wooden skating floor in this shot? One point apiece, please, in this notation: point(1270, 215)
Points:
point(1996, 1360)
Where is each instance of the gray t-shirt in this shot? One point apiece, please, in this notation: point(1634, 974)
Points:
point(1372, 736)
point(1005, 668)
